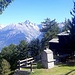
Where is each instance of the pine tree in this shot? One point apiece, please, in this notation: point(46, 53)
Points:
point(65, 27)
point(10, 53)
point(72, 23)
point(22, 48)
point(50, 29)
point(71, 27)
point(34, 47)
point(4, 4)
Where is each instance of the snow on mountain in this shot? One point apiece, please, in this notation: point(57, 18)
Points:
point(14, 33)
point(40, 26)
point(1, 26)
point(61, 25)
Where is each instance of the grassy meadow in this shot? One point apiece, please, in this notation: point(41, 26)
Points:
point(57, 70)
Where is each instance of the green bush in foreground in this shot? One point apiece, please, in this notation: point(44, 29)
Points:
point(4, 67)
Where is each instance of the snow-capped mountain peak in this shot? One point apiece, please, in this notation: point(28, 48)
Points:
point(14, 33)
point(27, 22)
point(1, 26)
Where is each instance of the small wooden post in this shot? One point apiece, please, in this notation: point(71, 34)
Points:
point(31, 67)
point(19, 64)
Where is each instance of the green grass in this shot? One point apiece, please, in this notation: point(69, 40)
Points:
point(60, 70)
point(57, 70)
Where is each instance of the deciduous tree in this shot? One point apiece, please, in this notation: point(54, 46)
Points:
point(4, 67)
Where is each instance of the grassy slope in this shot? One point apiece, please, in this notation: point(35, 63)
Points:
point(60, 70)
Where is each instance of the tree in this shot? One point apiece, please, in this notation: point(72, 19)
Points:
point(51, 29)
point(34, 47)
point(7, 52)
point(10, 53)
point(4, 4)
point(71, 25)
point(13, 55)
point(65, 27)
point(4, 67)
point(23, 48)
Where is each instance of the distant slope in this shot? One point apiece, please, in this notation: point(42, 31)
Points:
point(1, 26)
point(14, 33)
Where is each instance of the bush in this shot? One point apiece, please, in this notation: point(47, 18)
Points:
point(4, 67)
point(39, 65)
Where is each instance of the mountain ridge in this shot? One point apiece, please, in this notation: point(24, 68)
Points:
point(14, 33)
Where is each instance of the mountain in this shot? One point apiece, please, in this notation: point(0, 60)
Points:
point(14, 33)
point(61, 25)
point(40, 26)
point(1, 26)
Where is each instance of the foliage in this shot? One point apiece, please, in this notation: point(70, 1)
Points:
point(51, 29)
point(10, 53)
point(7, 51)
point(34, 47)
point(4, 67)
point(4, 4)
point(39, 65)
point(13, 53)
point(71, 25)
point(66, 24)
point(22, 48)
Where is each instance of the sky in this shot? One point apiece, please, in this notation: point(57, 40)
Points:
point(36, 11)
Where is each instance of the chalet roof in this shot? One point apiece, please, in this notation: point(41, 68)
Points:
point(54, 40)
point(63, 33)
point(48, 51)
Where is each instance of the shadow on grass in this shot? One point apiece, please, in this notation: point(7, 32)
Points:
point(21, 73)
point(70, 72)
point(11, 73)
point(71, 64)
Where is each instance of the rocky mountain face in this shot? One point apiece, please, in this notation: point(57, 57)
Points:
point(14, 33)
